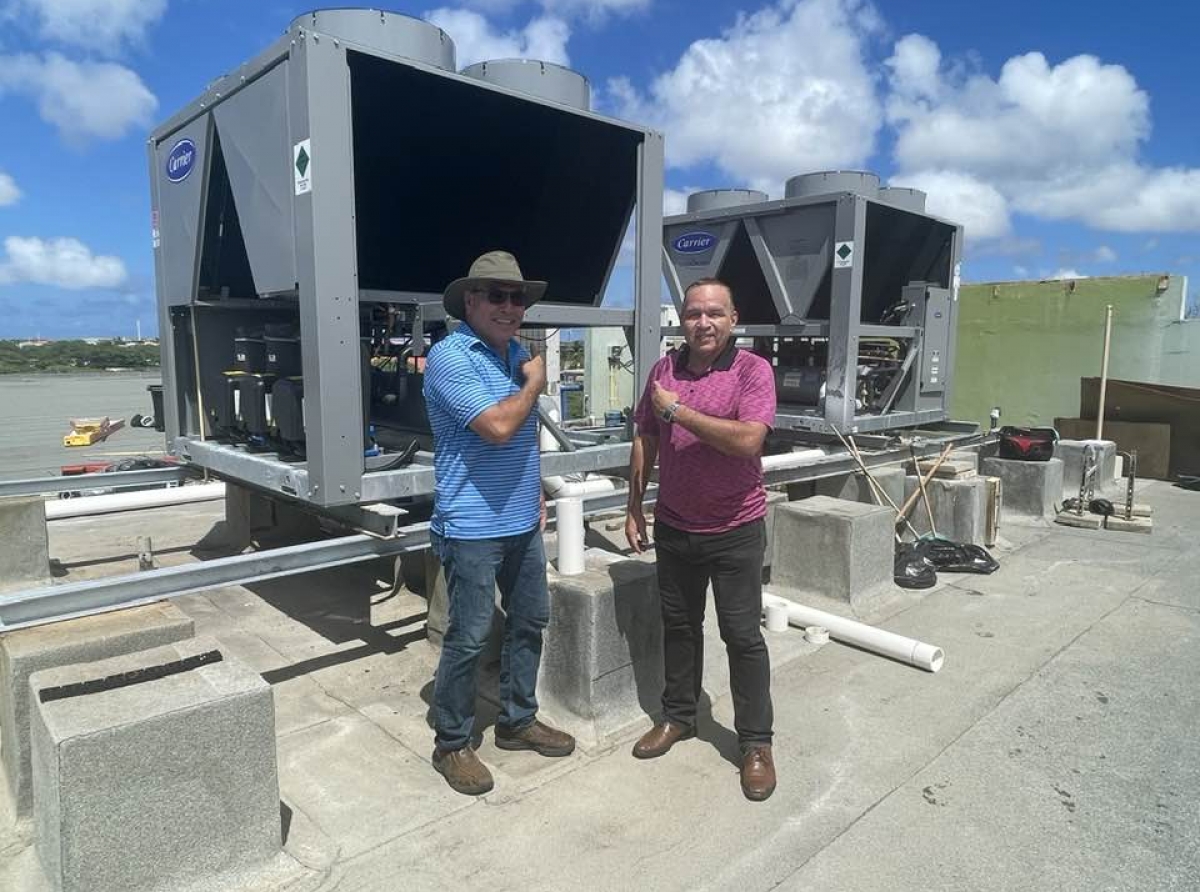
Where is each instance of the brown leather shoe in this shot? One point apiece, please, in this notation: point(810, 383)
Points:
point(659, 739)
point(463, 771)
point(758, 772)
point(540, 738)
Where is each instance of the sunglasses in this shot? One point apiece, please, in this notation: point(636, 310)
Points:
point(498, 298)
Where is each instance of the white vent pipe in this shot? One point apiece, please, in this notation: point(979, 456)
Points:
point(56, 509)
point(569, 524)
point(888, 644)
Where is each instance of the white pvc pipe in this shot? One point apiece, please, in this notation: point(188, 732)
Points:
point(889, 644)
point(56, 509)
point(568, 515)
point(561, 487)
point(791, 459)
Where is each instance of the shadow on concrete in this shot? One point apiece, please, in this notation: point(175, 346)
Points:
point(487, 703)
point(720, 738)
point(337, 604)
point(285, 821)
point(639, 623)
point(62, 568)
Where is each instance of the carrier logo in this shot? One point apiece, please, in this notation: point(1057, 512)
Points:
point(181, 160)
point(694, 242)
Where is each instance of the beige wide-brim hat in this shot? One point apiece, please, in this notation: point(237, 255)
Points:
point(494, 267)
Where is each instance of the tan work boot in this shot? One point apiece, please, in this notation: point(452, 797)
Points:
point(540, 738)
point(463, 771)
point(758, 772)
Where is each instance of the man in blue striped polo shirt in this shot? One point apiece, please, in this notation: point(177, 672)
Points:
point(481, 388)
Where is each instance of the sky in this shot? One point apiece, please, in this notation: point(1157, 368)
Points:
point(1062, 135)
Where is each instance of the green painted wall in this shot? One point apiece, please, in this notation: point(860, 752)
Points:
point(1024, 346)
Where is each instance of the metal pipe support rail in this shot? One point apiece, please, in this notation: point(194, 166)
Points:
point(51, 603)
point(38, 486)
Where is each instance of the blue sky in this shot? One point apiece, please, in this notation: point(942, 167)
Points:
point(1063, 135)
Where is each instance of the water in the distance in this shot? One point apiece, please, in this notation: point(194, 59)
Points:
point(36, 411)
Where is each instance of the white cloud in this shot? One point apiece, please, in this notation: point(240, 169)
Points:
point(62, 262)
point(1056, 141)
point(961, 198)
point(83, 100)
point(1121, 197)
point(1065, 274)
point(102, 25)
point(675, 201)
point(781, 92)
point(1104, 254)
point(593, 10)
point(475, 40)
point(9, 193)
point(1020, 271)
point(596, 11)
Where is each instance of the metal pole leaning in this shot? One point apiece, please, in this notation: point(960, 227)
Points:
point(924, 492)
point(876, 488)
point(911, 500)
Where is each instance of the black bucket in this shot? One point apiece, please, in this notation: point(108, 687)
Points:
point(156, 398)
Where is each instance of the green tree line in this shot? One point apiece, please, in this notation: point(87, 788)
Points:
point(75, 356)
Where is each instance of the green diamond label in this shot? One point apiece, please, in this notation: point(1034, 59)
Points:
point(302, 166)
point(843, 255)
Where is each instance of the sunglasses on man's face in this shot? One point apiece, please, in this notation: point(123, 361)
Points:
point(497, 298)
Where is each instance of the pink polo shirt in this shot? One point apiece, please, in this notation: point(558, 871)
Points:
point(701, 490)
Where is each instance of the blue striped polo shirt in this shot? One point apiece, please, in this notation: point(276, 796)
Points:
point(483, 491)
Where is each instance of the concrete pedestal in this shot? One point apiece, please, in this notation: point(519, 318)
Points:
point(1031, 488)
point(774, 499)
point(602, 660)
point(835, 548)
point(1071, 453)
point(159, 783)
point(856, 488)
point(61, 644)
point(960, 508)
point(24, 544)
point(438, 616)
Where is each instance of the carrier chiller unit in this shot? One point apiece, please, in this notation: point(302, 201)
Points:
point(310, 208)
point(849, 289)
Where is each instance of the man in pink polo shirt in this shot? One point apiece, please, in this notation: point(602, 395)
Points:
point(704, 415)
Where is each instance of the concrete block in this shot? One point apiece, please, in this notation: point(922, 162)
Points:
point(773, 498)
point(24, 544)
point(82, 640)
point(1151, 440)
point(856, 488)
point(1031, 488)
point(1083, 521)
point(835, 548)
point(960, 508)
point(1133, 525)
point(601, 669)
point(438, 614)
point(159, 783)
point(969, 456)
point(950, 469)
point(1071, 454)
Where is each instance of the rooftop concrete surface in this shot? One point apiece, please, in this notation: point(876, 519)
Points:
point(1055, 750)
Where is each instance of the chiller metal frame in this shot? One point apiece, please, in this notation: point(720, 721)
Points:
point(303, 247)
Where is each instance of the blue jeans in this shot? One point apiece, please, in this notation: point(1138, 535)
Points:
point(474, 568)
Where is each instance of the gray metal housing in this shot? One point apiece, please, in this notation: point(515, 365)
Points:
point(824, 266)
point(349, 164)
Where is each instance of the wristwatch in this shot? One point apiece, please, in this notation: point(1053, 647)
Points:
point(668, 414)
